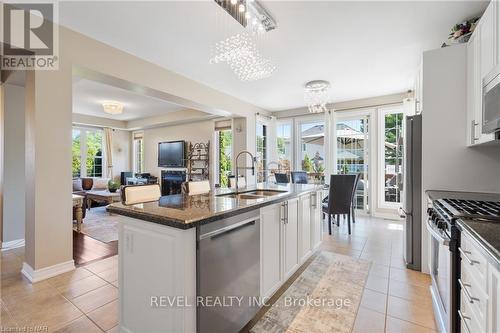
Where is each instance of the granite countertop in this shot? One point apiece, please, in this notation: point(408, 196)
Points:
point(184, 211)
point(487, 234)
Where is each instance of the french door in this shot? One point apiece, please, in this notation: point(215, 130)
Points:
point(352, 133)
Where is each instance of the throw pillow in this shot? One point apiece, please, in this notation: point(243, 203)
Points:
point(100, 184)
point(77, 185)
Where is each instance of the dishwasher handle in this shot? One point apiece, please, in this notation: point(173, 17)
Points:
point(222, 231)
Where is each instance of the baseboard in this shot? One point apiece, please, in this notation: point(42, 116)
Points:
point(47, 272)
point(12, 244)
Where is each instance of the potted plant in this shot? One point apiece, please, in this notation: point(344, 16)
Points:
point(461, 32)
point(113, 185)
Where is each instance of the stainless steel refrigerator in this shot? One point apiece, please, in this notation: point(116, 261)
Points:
point(412, 193)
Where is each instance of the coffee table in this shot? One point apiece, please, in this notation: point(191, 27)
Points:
point(78, 203)
point(102, 196)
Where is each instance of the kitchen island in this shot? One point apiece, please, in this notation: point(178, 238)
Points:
point(206, 263)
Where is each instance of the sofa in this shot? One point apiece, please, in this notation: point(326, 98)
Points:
point(82, 185)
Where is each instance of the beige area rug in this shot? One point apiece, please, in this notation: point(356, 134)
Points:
point(333, 284)
point(100, 225)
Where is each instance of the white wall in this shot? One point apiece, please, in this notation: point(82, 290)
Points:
point(196, 132)
point(447, 164)
point(14, 150)
point(122, 152)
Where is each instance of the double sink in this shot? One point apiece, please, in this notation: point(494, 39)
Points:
point(252, 195)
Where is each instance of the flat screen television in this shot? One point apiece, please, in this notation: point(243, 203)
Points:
point(172, 154)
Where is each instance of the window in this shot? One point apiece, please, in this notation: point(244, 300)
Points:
point(392, 154)
point(312, 155)
point(261, 135)
point(353, 153)
point(284, 145)
point(138, 150)
point(87, 146)
point(224, 156)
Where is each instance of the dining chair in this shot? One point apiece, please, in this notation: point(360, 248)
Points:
point(197, 187)
point(281, 178)
point(339, 199)
point(299, 177)
point(353, 200)
point(134, 194)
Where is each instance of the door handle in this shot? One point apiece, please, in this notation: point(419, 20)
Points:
point(220, 232)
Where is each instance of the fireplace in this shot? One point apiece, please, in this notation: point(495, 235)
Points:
point(171, 181)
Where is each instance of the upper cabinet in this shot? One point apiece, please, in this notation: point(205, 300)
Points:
point(488, 39)
point(482, 57)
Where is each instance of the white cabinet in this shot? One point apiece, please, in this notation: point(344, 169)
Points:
point(304, 227)
point(494, 305)
point(270, 226)
point(291, 238)
point(156, 261)
point(488, 39)
point(290, 231)
point(316, 219)
point(481, 59)
point(479, 288)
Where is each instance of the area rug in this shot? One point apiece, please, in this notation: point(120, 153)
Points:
point(100, 225)
point(324, 298)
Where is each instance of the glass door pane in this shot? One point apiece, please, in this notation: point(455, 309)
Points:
point(353, 154)
point(312, 150)
point(261, 152)
point(393, 155)
point(284, 145)
point(225, 147)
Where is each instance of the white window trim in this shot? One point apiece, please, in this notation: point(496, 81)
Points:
point(83, 149)
point(299, 121)
point(290, 122)
point(134, 153)
point(382, 112)
point(372, 132)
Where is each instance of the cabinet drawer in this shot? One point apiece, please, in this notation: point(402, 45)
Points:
point(473, 258)
point(468, 321)
point(473, 293)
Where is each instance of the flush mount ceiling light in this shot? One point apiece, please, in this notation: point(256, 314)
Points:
point(112, 107)
point(317, 95)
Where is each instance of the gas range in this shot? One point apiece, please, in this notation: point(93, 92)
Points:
point(445, 259)
point(445, 212)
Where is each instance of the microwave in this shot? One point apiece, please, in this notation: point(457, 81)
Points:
point(491, 102)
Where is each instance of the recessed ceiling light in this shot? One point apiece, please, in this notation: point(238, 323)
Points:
point(112, 107)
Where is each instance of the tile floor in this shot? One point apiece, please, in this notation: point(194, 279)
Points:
point(394, 299)
point(84, 300)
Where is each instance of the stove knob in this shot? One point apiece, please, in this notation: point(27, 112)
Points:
point(430, 210)
point(441, 224)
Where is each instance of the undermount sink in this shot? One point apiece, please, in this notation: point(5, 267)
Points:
point(252, 195)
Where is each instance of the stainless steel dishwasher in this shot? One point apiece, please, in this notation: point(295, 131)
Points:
point(228, 266)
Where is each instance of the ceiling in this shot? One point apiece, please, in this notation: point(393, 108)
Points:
point(88, 97)
point(364, 49)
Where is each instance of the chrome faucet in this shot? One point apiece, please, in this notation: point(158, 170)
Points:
point(237, 168)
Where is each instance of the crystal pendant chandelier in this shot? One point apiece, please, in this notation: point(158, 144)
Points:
point(241, 54)
point(240, 51)
point(316, 95)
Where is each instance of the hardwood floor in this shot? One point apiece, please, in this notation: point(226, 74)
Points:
point(87, 249)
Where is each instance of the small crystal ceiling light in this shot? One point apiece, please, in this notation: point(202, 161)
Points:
point(234, 2)
point(316, 95)
point(112, 107)
point(241, 8)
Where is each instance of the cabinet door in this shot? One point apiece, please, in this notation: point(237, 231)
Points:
point(493, 316)
point(304, 227)
point(270, 226)
point(291, 240)
point(488, 41)
point(316, 220)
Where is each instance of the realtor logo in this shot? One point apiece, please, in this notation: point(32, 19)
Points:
point(29, 36)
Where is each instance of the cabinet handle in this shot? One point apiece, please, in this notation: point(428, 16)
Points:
point(465, 255)
point(464, 286)
point(286, 212)
point(283, 219)
point(314, 201)
point(464, 318)
point(473, 130)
